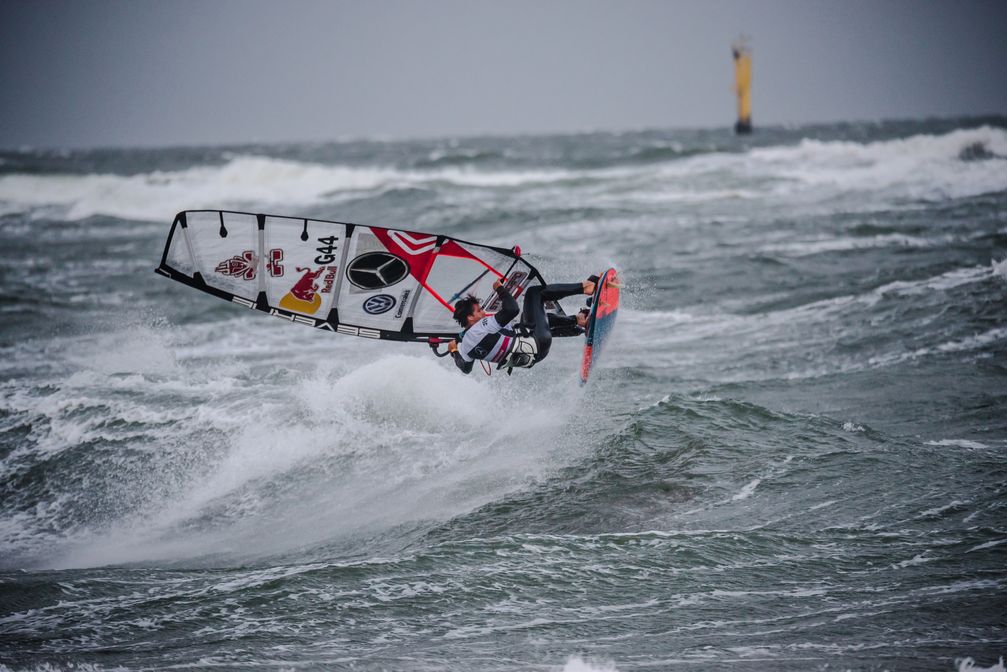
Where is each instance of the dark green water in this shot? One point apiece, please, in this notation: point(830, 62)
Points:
point(794, 456)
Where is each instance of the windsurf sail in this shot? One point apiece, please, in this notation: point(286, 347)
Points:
point(367, 281)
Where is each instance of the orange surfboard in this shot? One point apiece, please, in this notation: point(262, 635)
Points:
point(601, 320)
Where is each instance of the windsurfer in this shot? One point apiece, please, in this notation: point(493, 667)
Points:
point(509, 343)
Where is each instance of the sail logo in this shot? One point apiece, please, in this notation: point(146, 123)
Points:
point(381, 303)
point(273, 265)
point(402, 303)
point(243, 265)
point(375, 270)
point(303, 297)
point(413, 244)
point(513, 286)
point(238, 266)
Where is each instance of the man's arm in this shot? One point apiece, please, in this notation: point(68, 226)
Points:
point(466, 367)
point(510, 308)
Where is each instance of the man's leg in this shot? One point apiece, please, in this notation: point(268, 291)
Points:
point(534, 318)
point(561, 326)
point(561, 291)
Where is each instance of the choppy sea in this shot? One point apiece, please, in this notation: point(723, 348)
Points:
point(792, 457)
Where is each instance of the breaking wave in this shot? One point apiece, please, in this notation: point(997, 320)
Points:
point(243, 181)
point(395, 440)
point(921, 167)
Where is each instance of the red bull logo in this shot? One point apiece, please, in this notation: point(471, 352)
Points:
point(303, 296)
point(329, 280)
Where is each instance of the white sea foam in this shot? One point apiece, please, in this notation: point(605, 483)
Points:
point(966, 345)
point(136, 349)
point(244, 180)
point(969, 665)
point(747, 491)
point(81, 667)
point(924, 167)
point(936, 511)
point(801, 248)
point(149, 196)
point(949, 280)
point(921, 167)
point(394, 440)
point(918, 559)
point(975, 341)
point(959, 443)
point(578, 664)
point(1000, 268)
point(988, 544)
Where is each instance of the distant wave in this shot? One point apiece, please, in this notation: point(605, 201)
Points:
point(959, 164)
point(439, 158)
point(243, 180)
point(920, 167)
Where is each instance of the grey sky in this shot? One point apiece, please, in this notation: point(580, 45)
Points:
point(99, 73)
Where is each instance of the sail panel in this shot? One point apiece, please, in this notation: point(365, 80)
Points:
point(225, 251)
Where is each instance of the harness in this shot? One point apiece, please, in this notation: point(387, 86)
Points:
point(522, 355)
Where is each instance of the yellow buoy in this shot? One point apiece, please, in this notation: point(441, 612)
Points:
point(743, 85)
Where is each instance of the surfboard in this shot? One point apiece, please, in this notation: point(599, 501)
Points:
point(601, 320)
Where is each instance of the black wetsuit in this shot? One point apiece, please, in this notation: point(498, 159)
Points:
point(494, 338)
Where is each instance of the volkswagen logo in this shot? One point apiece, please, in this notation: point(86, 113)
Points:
point(375, 270)
point(381, 303)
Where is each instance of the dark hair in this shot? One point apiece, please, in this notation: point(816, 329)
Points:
point(464, 308)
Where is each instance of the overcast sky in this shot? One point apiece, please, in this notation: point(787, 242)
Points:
point(99, 73)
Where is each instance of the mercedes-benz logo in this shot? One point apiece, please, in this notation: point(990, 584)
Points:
point(381, 303)
point(375, 270)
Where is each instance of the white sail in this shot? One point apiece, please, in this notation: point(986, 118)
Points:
point(361, 280)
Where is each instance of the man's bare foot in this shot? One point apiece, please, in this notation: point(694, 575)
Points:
point(590, 284)
point(582, 319)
